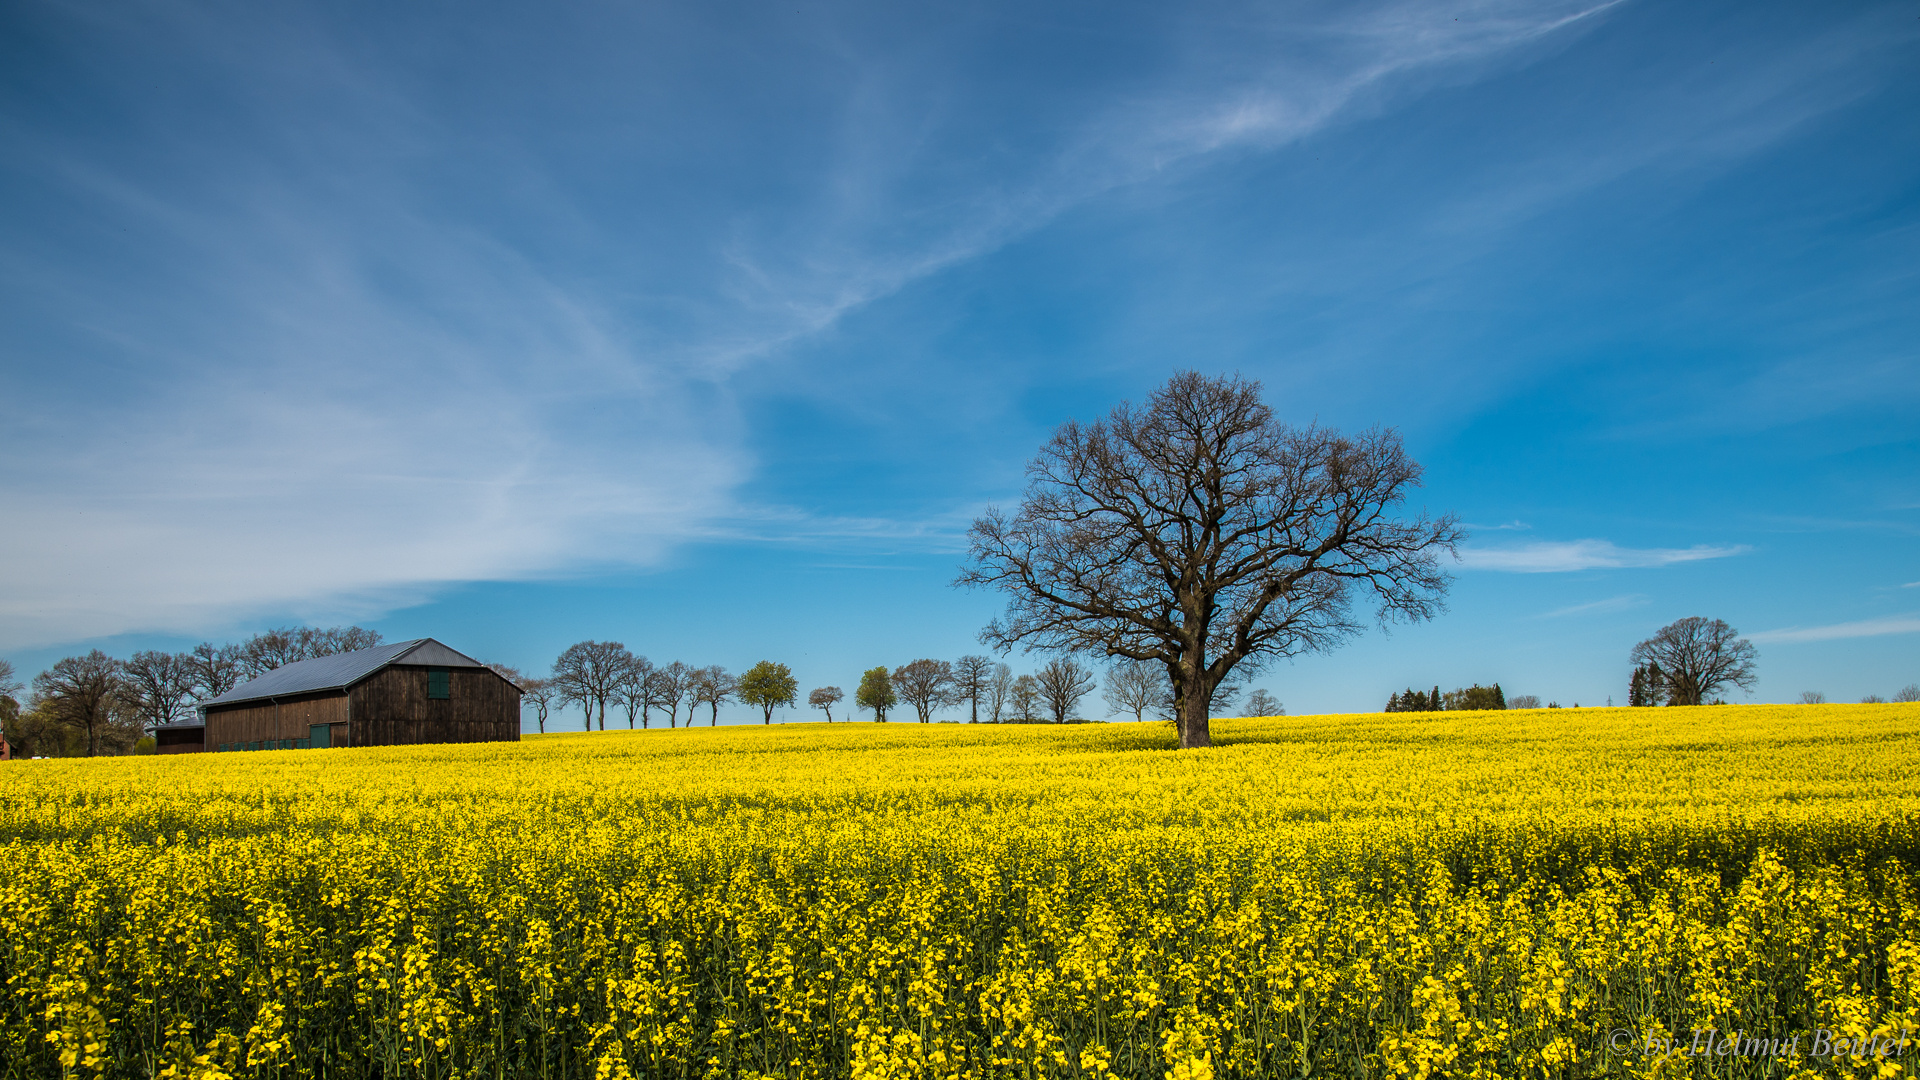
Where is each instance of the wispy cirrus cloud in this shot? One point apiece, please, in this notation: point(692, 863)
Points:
point(1889, 624)
point(489, 323)
point(1598, 607)
point(1566, 556)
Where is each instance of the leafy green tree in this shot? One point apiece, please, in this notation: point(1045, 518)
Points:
point(769, 686)
point(876, 693)
point(1475, 697)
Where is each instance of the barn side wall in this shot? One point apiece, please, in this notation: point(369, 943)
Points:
point(391, 707)
point(179, 740)
point(265, 721)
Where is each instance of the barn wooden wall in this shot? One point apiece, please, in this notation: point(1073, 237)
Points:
point(261, 721)
point(180, 740)
point(391, 707)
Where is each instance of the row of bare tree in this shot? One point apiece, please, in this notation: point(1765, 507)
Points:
point(604, 676)
point(991, 691)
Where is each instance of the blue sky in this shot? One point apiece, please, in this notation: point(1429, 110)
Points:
point(709, 327)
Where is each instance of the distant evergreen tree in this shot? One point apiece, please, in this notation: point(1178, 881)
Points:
point(1499, 697)
point(1421, 701)
point(1648, 686)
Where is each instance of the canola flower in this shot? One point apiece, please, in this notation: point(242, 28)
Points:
point(1408, 894)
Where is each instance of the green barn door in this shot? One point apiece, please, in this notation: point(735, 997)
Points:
point(320, 736)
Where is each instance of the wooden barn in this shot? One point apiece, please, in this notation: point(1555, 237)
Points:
point(408, 692)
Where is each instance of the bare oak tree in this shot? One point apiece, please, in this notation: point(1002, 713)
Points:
point(1023, 698)
point(1135, 686)
point(85, 692)
point(590, 672)
point(999, 691)
point(159, 685)
point(672, 684)
point(272, 649)
point(631, 692)
point(712, 687)
point(1699, 656)
point(10, 688)
point(216, 669)
point(1201, 533)
point(971, 675)
point(825, 698)
point(1261, 703)
point(538, 695)
point(924, 684)
point(1063, 682)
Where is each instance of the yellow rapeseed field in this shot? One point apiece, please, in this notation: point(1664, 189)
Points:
point(1521, 894)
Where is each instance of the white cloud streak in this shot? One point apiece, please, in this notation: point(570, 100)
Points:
point(1890, 624)
point(341, 394)
point(1598, 607)
point(1559, 557)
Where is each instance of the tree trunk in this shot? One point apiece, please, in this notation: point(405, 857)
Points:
point(1193, 726)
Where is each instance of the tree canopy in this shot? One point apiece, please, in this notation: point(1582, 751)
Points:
point(876, 693)
point(768, 686)
point(1698, 657)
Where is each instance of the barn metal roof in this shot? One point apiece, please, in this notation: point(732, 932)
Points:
point(341, 670)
